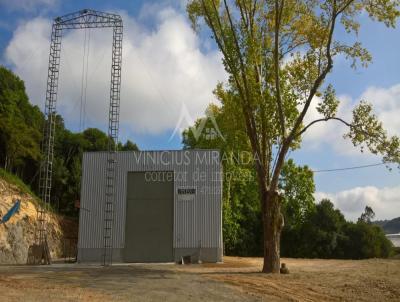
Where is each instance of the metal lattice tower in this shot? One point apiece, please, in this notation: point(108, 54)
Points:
point(80, 20)
point(113, 125)
point(46, 168)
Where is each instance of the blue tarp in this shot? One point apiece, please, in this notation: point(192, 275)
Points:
point(11, 212)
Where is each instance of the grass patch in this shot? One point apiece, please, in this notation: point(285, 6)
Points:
point(15, 180)
point(22, 187)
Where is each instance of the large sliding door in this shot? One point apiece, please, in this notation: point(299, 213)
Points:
point(149, 217)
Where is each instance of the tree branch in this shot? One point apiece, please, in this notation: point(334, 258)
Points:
point(323, 120)
point(247, 103)
point(278, 14)
point(286, 143)
point(249, 121)
point(378, 139)
point(322, 76)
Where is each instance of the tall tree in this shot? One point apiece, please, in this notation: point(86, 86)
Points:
point(367, 215)
point(297, 185)
point(278, 54)
point(242, 226)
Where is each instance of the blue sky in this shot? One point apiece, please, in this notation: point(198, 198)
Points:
point(167, 67)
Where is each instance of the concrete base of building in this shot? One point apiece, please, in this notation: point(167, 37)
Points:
point(94, 255)
point(199, 254)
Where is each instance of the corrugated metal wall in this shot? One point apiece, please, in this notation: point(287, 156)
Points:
point(197, 222)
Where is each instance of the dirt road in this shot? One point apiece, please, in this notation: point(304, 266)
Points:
point(237, 279)
point(138, 282)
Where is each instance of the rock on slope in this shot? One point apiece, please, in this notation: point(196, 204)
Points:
point(17, 234)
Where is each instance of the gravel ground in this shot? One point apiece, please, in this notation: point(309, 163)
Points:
point(237, 279)
point(137, 282)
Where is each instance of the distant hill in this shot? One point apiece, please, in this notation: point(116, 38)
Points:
point(389, 226)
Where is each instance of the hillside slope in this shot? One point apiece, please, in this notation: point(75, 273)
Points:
point(389, 226)
point(17, 234)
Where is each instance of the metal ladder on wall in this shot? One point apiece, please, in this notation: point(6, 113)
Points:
point(113, 128)
point(46, 167)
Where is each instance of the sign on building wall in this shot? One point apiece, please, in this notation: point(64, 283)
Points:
point(186, 193)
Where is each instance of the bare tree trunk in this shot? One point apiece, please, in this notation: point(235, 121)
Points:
point(273, 223)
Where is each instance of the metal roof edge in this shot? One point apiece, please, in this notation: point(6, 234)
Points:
point(176, 150)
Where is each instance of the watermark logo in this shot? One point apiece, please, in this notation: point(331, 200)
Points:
point(201, 130)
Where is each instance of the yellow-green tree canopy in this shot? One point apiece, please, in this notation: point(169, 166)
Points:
point(278, 54)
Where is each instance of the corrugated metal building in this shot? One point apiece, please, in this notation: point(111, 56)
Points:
point(168, 204)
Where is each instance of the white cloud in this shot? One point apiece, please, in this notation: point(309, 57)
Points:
point(384, 201)
point(162, 68)
point(386, 106)
point(27, 52)
point(28, 5)
point(386, 103)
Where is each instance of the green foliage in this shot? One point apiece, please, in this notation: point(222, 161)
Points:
point(128, 146)
point(318, 236)
point(297, 185)
point(367, 131)
point(326, 234)
point(15, 180)
point(329, 105)
point(362, 240)
point(242, 227)
point(323, 230)
point(95, 140)
point(22, 187)
point(20, 125)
